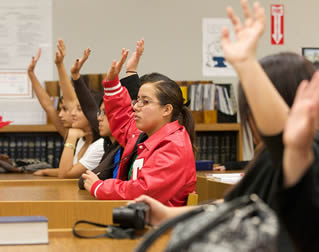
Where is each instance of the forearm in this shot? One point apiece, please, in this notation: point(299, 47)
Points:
point(65, 84)
point(51, 172)
point(132, 84)
point(66, 162)
point(118, 109)
point(295, 164)
point(40, 92)
point(268, 108)
point(46, 103)
point(172, 212)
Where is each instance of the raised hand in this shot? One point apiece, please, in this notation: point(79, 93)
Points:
point(300, 131)
point(34, 61)
point(60, 53)
point(75, 69)
point(303, 117)
point(247, 34)
point(131, 65)
point(116, 66)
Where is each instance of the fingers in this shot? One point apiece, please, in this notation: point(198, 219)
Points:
point(123, 58)
point(246, 9)
point(86, 54)
point(234, 19)
point(225, 36)
point(140, 47)
point(247, 13)
point(259, 12)
point(85, 176)
point(301, 90)
point(38, 55)
point(61, 47)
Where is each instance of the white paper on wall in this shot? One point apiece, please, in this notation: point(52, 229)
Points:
point(214, 63)
point(25, 26)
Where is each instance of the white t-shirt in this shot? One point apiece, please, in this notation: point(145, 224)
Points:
point(93, 154)
point(78, 147)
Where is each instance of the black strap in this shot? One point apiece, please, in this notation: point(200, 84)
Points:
point(111, 231)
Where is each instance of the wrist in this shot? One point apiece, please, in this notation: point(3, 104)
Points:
point(244, 63)
point(59, 64)
point(69, 145)
point(131, 71)
point(72, 138)
point(75, 76)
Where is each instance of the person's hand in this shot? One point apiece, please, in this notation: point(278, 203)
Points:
point(219, 168)
point(76, 133)
point(89, 178)
point(60, 53)
point(116, 67)
point(132, 62)
point(247, 34)
point(34, 61)
point(75, 69)
point(303, 118)
point(159, 212)
point(39, 173)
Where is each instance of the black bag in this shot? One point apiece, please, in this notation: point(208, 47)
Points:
point(241, 225)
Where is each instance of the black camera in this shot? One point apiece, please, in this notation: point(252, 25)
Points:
point(131, 216)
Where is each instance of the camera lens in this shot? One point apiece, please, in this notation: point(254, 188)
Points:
point(124, 216)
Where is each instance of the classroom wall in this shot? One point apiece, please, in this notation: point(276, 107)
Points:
point(171, 28)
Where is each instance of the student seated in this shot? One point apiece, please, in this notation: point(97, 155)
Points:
point(157, 133)
point(109, 164)
point(83, 148)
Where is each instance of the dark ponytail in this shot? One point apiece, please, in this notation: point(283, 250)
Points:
point(188, 122)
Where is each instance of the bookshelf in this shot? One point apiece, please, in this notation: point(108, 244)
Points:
point(40, 142)
point(223, 128)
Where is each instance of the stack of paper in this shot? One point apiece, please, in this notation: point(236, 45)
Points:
point(230, 178)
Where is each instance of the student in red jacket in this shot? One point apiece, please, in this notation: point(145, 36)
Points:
point(157, 133)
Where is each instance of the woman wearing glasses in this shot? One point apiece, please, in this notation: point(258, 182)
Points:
point(157, 134)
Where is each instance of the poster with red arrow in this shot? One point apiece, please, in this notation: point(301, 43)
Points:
point(277, 24)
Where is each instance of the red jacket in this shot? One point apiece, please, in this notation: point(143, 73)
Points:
point(164, 168)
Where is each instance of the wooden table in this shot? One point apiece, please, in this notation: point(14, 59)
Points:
point(210, 189)
point(63, 240)
point(62, 202)
point(26, 177)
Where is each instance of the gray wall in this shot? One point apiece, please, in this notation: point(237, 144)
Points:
point(171, 28)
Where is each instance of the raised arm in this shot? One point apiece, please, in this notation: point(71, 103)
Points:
point(64, 81)
point(132, 62)
point(87, 102)
point(117, 102)
point(265, 102)
point(300, 131)
point(132, 81)
point(44, 97)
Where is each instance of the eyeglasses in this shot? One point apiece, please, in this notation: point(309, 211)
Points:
point(100, 113)
point(141, 102)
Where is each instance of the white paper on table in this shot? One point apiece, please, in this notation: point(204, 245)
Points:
point(231, 178)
